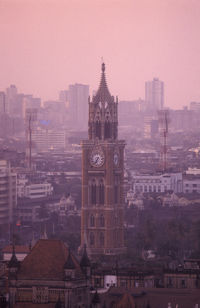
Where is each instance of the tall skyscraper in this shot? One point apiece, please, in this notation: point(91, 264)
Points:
point(2, 102)
point(11, 94)
point(102, 224)
point(154, 94)
point(78, 105)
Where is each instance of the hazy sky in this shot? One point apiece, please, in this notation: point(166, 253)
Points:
point(45, 45)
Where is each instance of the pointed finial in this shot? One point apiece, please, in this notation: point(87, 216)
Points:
point(103, 67)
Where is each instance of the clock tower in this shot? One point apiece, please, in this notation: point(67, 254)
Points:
point(102, 223)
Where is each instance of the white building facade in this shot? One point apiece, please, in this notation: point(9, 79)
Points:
point(158, 183)
point(33, 191)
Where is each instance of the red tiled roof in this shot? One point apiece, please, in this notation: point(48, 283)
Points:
point(18, 249)
point(126, 301)
point(46, 261)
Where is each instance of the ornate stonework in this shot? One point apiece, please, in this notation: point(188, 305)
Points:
point(102, 225)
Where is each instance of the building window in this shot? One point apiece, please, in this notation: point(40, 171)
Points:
point(101, 239)
point(170, 282)
point(102, 221)
point(101, 192)
point(94, 193)
point(92, 222)
point(116, 194)
point(98, 129)
point(107, 130)
point(183, 285)
point(91, 239)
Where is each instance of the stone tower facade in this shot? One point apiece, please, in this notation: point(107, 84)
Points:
point(102, 223)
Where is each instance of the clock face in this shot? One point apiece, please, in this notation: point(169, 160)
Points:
point(97, 158)
point(116, 158)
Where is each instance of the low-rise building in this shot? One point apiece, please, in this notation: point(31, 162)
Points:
point(34, 190)
point(49, 276)
point(157, 183)
point(20, 252)
point(191, 185)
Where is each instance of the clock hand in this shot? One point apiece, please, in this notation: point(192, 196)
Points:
point(96, 161)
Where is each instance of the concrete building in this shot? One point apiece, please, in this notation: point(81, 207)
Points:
point(11, 94)
point(154, 94)
point(78, 105)
point(8, 195)
point(20, 252)
point(33, 191)
point(45, 140)
point(2, 102)
point(191, 185)
point(158, 183)
point(63, 96)
point(195, 106)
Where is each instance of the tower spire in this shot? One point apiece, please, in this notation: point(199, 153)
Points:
point(103, 93)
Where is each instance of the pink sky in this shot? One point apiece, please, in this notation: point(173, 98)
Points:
point(45, 45)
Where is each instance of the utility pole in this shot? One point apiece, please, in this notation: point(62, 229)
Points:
point(30, 118)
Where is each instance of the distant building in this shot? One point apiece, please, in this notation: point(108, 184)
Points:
point(8, 195)
point(20, 252)
point(150, 127)
point(191, 185)
point(158, 183)
point(78, 105)
point(33, 191)
point(154, 94)
point(11, 94)
point(195, 106)
point(53, 115)
point(2, 102)
point(63, 96)
point(45, 140)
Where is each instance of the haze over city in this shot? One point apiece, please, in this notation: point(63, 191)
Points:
point(47, 45)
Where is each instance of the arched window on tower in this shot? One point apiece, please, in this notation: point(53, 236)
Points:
point(91, 239)
point(107, 129)
point(94, 192)
point(115, 131)
point(101, 239)
point(98, 129)
point(92, 222)
point(116, 191)
point(101, 192)
point(101, 221)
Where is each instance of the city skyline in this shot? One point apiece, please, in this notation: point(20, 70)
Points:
point(45, 46)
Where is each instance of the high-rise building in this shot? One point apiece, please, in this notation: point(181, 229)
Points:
point(11, 94)
point(154, 94)
point(63, 96)
point(8, 193)
point(78, 105)
point(102, 224)
point(2, 102)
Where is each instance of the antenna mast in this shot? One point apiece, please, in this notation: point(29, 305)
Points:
point(163, 116)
